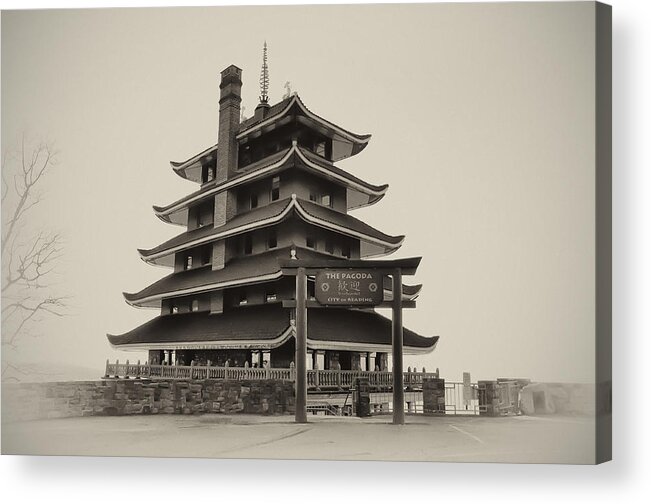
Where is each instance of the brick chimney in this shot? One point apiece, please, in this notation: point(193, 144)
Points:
point(225, 201)
point(229, 122)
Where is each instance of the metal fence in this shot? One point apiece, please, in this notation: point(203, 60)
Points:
point(455, 400)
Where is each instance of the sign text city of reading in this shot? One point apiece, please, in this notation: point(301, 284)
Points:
point(349, 287)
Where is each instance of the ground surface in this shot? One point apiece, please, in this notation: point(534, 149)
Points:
point(478, 439)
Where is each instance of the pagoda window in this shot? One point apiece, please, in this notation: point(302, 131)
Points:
point(245, 156)
point(174, 309)
point(272, 241)
point(345, 250)
point(195, 305)
point(320, 148)
point(310, 242)
point(329, 246)
point(270, 297)
point(310, 291)
point(242, 299)
point(313, 197)
point(188, 262)
point(207, 173)
point(254, 201)
point(248, 244)
point(206, 256)
point(275, 188)
point(326, 200)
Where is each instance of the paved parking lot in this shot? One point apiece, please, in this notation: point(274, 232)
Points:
point(453, 439)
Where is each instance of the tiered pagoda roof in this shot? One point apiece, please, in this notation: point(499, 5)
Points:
point(359, 192)
point(293, 130)
point(291, 109)
point(266, 327)
point(374, 242)
point(241, 271)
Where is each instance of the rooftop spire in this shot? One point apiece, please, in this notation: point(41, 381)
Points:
point(264, 77)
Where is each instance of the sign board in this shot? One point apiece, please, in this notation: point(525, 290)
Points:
point(467, 390)
point(348, 287)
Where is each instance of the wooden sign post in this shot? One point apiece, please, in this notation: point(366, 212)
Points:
point(301, 346)
point(350, 283)
point(396, 347)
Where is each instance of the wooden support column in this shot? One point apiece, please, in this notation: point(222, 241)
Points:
point(396, 338)
point(301, 346)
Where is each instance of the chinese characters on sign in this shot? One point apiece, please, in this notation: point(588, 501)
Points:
point(349, 287)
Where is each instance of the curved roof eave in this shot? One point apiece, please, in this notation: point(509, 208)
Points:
point(146, 302)
point(374, 192)
point(350, 136)
point(270, 325)
point(366, 347)
point(179, 165)
point(283, 208)
point(290, 332)
point(371, 235)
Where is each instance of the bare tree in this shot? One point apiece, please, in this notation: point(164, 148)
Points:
point(28, 257)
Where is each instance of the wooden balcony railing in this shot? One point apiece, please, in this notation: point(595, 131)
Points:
point(316, 378)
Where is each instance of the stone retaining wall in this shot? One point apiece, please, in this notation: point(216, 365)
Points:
point(31, 401)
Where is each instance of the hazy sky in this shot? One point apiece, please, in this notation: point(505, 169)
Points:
point(482, 121)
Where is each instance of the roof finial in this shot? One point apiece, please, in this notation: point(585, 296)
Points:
point(288, 88)
point(264, 77)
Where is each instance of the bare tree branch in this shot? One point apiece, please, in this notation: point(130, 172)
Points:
point(28, 261)
point(34, 263)
point(25, 182)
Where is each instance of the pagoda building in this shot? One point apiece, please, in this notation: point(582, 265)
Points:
point(268, 190)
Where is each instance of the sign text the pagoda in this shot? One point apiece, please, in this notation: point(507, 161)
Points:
point(349, 287)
